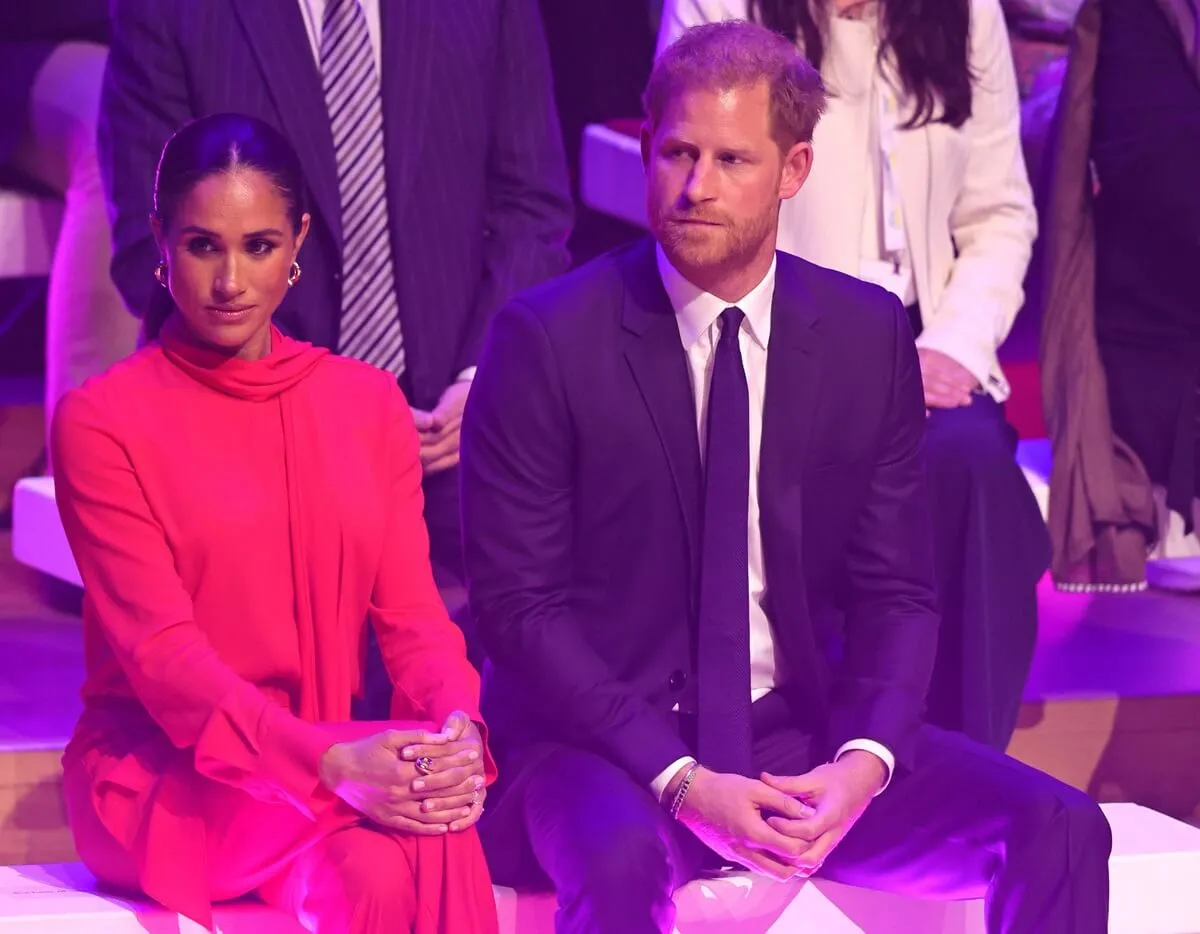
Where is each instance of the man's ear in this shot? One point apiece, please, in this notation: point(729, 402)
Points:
point(797, 164)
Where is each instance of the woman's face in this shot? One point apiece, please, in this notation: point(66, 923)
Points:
point(228, 249)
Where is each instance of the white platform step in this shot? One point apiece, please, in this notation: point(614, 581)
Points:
point(1155, 865)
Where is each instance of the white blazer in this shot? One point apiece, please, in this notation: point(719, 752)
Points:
point(968, 210)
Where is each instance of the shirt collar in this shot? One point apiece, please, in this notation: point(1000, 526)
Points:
point(697, 310)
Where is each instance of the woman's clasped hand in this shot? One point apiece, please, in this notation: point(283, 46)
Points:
point(415, 781)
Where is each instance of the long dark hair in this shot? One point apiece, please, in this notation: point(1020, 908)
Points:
point(207, 147)
point(927, 38)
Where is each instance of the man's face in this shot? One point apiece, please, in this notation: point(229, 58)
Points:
point(715, 177)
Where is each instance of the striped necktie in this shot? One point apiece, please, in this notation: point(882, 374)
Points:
point(370, 326)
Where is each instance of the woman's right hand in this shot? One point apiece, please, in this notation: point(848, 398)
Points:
point(369, 775)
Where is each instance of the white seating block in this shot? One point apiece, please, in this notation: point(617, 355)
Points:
point(28, 232)
point(611, 178)
point(38, 539)
point(1155, 863)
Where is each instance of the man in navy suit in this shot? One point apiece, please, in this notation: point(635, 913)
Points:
point(698, 549)
point(431, 147)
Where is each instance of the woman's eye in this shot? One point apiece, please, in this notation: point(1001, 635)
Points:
point(200, 245)
point(260, 247)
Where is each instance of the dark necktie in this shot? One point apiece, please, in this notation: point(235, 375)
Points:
point(723, 654)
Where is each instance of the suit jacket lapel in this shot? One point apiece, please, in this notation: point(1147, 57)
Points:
point(659, 363)
point(409, 44)
point(275, 30)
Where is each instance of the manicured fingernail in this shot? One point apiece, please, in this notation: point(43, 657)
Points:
point(472, 756)
point(418, 785)
point(408, 753)
point(464, 813)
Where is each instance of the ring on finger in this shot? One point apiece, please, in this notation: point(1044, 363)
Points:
point(424, 765)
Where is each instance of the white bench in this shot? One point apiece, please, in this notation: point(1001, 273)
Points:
point(28, 232)
point(38, 539)
point(1155, 865)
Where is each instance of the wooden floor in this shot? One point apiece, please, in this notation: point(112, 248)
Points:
point(1112, 705)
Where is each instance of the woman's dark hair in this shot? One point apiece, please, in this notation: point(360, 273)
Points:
point(927, 38)
point(212, 145)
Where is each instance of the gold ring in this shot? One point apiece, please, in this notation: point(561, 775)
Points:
point(424, 765)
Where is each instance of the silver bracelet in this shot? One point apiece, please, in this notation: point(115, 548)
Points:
point(682, 791)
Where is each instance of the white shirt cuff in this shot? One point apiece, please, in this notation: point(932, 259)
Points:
point(880, 751)
point(466, 375)
point(663, 779)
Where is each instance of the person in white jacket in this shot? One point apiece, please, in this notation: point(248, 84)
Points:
point(919, 185)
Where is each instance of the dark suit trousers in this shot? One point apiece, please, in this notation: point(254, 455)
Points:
point(991, 547)
point(966, 821)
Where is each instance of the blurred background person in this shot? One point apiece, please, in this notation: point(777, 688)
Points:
point(1121, 338)
point(52, 57)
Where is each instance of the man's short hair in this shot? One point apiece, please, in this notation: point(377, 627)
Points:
point(740, 54)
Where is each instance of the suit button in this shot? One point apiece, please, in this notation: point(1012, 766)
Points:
point(677, 680)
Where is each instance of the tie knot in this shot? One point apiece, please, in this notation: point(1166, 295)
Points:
point(731, 322)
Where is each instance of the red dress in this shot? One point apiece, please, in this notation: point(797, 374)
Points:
point(236, 523)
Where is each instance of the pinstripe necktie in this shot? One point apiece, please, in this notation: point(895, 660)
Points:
point(723, 736)
point(370, 326)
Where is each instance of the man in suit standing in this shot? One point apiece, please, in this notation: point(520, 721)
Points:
point(431, 147)
point(701, 558)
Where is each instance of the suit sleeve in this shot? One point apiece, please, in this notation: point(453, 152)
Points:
point(529, 208)
point(517, 501)
point(238, 736)
point(424, 652)
point(144, 100)
point(892, 615)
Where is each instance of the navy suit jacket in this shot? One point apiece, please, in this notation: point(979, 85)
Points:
point(582, 489)
point(478, 198)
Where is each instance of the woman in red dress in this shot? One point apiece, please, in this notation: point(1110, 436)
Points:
point(240, 505)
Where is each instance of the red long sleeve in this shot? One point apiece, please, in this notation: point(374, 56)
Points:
point(146, 618)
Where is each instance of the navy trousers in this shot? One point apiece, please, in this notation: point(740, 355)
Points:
point(965, 821)
point(991, 547)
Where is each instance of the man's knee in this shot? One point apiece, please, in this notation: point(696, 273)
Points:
point(627, 858)
point(1067, 823)
point(605, 843)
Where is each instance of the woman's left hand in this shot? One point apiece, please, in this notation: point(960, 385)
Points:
point(453, 773)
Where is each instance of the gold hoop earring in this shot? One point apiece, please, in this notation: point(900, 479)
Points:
point(294, 274)
point(160, 273)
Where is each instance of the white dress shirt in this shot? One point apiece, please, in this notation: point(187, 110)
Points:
point(697, 313)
